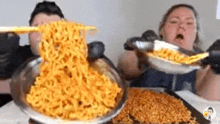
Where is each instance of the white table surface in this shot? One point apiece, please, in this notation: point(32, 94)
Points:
point(200, 104)
point(11, 114)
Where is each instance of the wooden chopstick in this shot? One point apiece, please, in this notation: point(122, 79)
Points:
point(18, 29)
point(28, 29)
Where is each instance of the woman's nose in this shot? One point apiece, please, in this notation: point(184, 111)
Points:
point(182, 25)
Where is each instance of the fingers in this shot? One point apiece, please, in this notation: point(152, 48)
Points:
point(150, 35)
point(128, 45)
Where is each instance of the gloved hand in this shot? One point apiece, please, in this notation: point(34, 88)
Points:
point(128, 43)
point(147, 36)
point(9, 42)
point(99, 61)
point(215, 63)
point(96, 49)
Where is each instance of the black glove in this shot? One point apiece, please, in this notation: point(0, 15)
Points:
point(99, 61)
point(150, 35)
point(128, 43)
point(147, 36)
point(215, 63)
point(9, 42)
point(96, 49)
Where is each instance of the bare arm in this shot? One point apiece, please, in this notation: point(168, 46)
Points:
point(208, 84)
point(128, 65)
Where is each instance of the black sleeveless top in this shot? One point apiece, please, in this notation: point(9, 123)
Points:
point(174, 82)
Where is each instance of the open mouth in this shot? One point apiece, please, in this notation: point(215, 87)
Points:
point(179, 36)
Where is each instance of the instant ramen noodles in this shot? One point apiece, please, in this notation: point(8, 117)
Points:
point(67, 87)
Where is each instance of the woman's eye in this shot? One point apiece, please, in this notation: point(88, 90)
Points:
point(173, 22)
point(189, 23)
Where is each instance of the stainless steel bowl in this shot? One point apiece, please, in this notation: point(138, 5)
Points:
point(159, 63)
point(24, 78)
point(169, 66)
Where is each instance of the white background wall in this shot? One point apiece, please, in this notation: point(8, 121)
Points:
point(116, 20)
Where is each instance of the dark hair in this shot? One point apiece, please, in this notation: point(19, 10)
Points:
point(210, 108)
point(47, 8)
point(170, 10)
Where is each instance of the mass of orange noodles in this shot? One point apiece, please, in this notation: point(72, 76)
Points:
point(67, 87)
point(177, 57)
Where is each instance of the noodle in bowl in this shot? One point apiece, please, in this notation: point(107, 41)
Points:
point(61, 86)
point(24, 78)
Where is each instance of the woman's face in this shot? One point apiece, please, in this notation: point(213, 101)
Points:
point(180, 28)
point(35, 38)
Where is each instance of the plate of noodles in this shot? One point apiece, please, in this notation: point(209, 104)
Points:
point(62, 86)
point(157, 105)
point(167, 57)
point(168, 65)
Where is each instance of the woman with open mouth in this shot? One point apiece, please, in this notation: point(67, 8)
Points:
point(179, 26)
